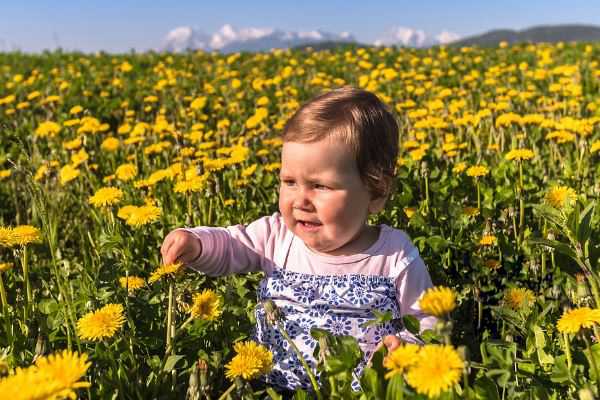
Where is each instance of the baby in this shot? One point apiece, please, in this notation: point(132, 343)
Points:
point(324, 265)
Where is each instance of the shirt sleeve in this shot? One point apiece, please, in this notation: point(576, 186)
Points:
point(412, 281)
point(236, 249)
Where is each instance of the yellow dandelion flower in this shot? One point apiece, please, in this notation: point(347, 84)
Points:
point(106, 196)
point(66, 369)
point(471, 211)
point(459, 167)
point(409, 211)
point(517, 298)
point(72, 144)
point(595, 147)
point(4, 173)
point(437, 369)
point(126, 211)
point(56, 376)
point(75, 110)
point(573, 320)
point(67, 174)
point(206, 305)
point(166, 270)
point(80, 157)
point(561, 197)
point(194, 184)
point(102, 323)
point(110, 144)
point(520, 154)
point(5, 266)
point(126, 172)
point(399, 360)
point(131, 282)
point(487, 240)
point(6, 237)
point(23, 235)
point(143, 215)
point(249, 171)
point(48, 129)
point(252, 360)
point(477, 171)
point(438, 301)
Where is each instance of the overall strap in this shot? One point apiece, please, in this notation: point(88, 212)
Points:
point(283, 251)
point(409, 256)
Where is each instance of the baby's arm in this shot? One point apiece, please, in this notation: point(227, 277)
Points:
point(220, 251)
point(410, 285)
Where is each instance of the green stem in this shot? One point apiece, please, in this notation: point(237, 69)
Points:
point(3, 295)
point(427, 194)
point(25, 266)
point(568, 352)
point(594, 287)
point(311, 376)
point(478, 197)
point(169, 319)
point(226, 393)
point(593, 360)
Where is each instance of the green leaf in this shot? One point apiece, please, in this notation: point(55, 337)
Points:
point(584, 228)
point(540, 343)
point(596, 354)
point(437, 243)
point(273, 394)
point(171, 361)
point(412, 324)
point(550, 213)
point(301, 395)
point(486, 389)
point(395, 388)
point(560, 372)
point(48, 306)
point(371, 384)
point(380, 318)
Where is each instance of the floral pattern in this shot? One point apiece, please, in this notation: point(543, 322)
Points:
point(339, 304)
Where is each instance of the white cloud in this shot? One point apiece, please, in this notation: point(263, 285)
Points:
point(446, 37)
point(228, 39)
point(404, 36)
point(228, 34)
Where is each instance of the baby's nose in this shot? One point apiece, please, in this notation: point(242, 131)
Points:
point(302, 200)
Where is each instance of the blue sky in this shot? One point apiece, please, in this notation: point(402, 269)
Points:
point(118, 26)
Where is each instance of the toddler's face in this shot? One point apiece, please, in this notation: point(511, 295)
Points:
point(322, 198)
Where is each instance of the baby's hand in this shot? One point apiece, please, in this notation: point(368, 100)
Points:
point(391, 342)
point(180, 245)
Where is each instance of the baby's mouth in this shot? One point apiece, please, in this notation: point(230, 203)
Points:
point(308, 224)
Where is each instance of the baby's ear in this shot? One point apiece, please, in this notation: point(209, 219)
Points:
point(377, 204)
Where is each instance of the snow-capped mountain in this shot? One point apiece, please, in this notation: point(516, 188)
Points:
point(229, 39)
point(403, 36)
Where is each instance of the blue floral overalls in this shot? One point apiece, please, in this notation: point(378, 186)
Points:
point(340, 304)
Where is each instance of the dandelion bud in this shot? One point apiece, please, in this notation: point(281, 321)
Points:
point(323, 348)
point(273, 313)
point(193, 392)
point(424, 168)
point(203, 373)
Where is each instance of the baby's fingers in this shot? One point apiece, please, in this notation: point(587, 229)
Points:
point(173, 252)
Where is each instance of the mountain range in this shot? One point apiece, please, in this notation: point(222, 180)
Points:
point(230, 39)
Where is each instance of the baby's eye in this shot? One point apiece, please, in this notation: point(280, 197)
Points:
point(321, 187)
point(287, 182)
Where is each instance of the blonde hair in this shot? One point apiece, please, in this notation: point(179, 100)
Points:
point(358, 118)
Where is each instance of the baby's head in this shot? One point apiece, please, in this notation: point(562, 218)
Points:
point(338, 161)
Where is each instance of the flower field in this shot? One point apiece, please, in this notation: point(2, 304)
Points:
point(102, 155)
